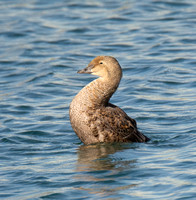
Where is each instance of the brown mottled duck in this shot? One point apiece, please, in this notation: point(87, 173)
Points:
point(92, 117)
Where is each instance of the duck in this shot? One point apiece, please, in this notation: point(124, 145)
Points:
point(93, 118)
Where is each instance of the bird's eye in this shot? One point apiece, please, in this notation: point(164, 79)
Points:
point(101, 63)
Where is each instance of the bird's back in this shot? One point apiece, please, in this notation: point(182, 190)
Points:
point(111, 124)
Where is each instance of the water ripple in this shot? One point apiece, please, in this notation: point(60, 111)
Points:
point(43, 44)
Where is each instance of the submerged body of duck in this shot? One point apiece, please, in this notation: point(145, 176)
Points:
point(92, 117)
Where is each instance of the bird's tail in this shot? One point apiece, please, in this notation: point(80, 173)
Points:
point(140, 137)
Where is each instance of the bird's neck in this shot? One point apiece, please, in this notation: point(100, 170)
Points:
point(98, 92)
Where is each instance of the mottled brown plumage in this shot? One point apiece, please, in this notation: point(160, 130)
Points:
point(92, 117)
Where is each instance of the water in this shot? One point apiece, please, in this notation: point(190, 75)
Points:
point(43, 44)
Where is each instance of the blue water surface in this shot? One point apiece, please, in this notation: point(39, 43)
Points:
point(42, 45)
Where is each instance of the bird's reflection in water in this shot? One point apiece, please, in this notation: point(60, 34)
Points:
point(103, 169)
point(99, 157)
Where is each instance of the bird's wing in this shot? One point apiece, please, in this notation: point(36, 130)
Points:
point(124, 127)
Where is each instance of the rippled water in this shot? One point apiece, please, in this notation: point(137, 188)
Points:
point(43, 44)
